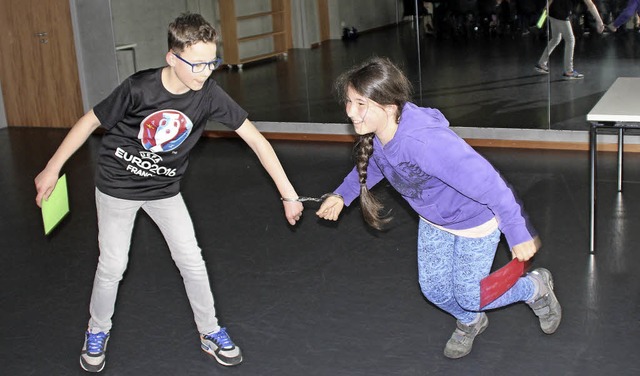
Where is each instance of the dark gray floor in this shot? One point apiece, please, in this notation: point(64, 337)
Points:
point(480, 81)
point(320, 298)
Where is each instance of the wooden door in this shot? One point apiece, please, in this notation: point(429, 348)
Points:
point(323, 20)
point(38, 66)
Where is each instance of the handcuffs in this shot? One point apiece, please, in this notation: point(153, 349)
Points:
point(306, 198)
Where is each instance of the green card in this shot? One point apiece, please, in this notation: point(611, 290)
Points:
point(56, 207)
point(542, 18)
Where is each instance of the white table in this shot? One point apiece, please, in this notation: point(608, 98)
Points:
point(619, 108)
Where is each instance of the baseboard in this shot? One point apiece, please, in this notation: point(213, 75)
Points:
point(477, 137)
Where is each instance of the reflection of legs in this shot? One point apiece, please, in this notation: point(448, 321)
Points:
point(115, 224)
point(427, 20)
point(556, 37)
point(173, 219)
point(569, 45)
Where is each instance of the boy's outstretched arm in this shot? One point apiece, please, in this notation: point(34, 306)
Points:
point(594, 12)
point(79, 133)
point(270, 162)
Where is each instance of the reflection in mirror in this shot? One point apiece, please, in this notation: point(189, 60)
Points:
point(477, 68)
point(472, 59)
point(599, 56)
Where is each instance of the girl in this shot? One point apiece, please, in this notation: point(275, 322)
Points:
point(462, 201)
point(631, 9)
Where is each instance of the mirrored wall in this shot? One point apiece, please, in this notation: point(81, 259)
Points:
point(472, 59)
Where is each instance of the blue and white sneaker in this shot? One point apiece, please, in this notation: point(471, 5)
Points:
point(220, 346)
point(573, 75)
point(541, 68)
point(92, 357)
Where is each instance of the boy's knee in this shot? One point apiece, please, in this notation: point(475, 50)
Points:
point(110, 273)
point(191, 261)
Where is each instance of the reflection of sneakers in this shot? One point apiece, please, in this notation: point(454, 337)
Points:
point(545, 304)
point(220, 346)
point(541, 68)
point(462, 338)
point(573, 75)
point(92, 357)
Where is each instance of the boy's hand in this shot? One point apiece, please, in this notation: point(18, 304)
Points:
point(45, 183)
point(293, 211)
point(331, 208)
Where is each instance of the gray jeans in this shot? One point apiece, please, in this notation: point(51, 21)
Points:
point(560, 29)
point(115, 225)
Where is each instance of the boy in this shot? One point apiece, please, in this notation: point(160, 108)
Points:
point(152, 121)
point(559, 19)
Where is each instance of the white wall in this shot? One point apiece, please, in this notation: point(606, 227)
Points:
point(100, 25)
point(362, 14)
point(143, 22)
point(95, 49)
point(305, 28)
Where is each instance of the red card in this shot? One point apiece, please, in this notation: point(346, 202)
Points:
point(498, 282)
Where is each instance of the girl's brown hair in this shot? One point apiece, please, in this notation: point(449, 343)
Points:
point(381, 81)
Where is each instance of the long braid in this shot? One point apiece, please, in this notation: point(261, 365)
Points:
point(379, 80)
point(370, 205)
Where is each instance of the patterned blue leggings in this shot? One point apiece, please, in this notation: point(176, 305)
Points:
point(450, 268)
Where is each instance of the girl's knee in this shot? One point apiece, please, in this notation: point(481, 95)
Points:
point(436, 294)
point(467, 300)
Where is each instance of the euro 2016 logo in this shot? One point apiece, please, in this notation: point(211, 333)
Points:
point(164, 130)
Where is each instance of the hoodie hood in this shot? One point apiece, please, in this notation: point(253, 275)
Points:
point(413, 116)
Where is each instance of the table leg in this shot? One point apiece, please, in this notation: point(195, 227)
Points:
point(592, 187)
point(620, 149)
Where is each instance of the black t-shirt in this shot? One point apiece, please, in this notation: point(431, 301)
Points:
point(561, 9)
point(150, 132)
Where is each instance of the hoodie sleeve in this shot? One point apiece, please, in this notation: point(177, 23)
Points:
point(450, 159)
point(350, 187)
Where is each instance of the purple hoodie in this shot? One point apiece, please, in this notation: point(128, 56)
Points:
point(441, 176)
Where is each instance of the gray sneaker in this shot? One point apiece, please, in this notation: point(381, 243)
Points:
point(545, 304)
point(462, 338)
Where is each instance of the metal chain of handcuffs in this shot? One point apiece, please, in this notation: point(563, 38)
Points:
point(306, 198)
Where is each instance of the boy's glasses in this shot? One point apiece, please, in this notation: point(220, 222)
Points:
point(199, 67)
